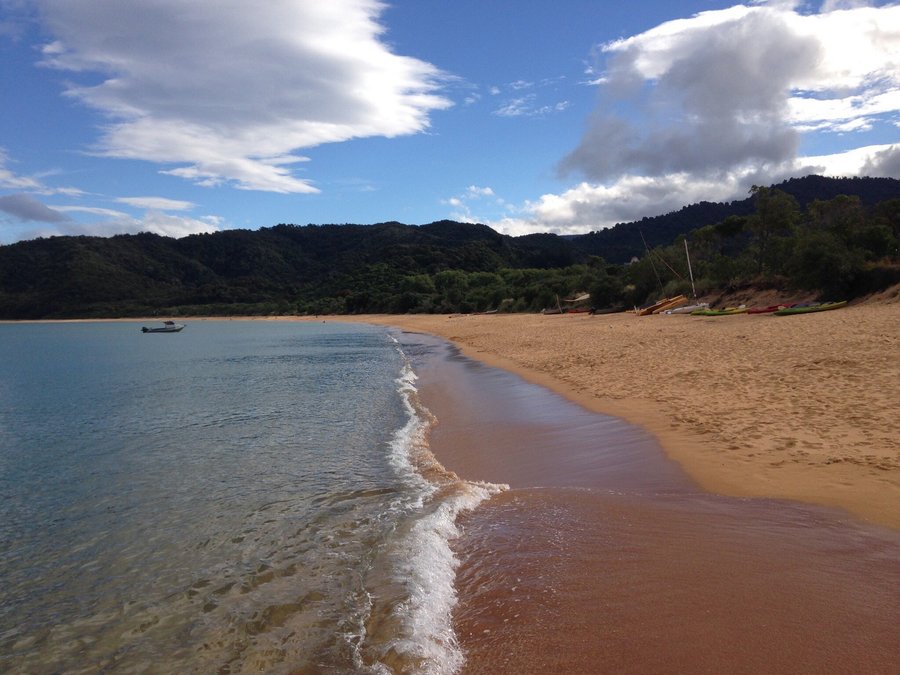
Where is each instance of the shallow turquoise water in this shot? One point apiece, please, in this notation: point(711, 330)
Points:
point(231, 497)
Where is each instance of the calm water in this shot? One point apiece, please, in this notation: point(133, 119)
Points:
point(241, 496)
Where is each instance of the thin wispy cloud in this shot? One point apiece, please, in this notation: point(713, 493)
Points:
point(476, 198)
point(157, 203)
point(528, 99)
point(12, 180)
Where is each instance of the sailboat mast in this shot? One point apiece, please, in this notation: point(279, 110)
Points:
point(690, 271)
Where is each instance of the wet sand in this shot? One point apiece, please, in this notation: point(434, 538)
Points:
point(800, 407)
point(604, 555)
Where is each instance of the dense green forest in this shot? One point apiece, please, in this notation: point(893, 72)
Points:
point(836, 237)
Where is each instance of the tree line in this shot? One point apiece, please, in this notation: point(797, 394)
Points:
point(840, 246)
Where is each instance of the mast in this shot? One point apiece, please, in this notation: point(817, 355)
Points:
point(647, 248)
point(690, 271)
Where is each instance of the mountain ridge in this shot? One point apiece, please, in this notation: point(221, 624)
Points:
point(285, 268)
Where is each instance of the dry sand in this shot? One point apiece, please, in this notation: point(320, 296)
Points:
point(799, 407)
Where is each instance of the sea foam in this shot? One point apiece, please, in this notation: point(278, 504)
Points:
point(420, 556)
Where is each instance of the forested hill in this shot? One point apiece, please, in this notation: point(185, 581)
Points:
point(622, 242)
point(335, 268)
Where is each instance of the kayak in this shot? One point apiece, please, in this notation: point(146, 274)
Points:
point(765, 310)
point(687, 309)
point(808, 309)
point(720, 312)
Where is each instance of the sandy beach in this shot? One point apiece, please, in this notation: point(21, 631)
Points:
point(799, 407)
point(605, 555)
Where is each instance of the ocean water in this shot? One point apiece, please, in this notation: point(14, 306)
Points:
point(242, 496)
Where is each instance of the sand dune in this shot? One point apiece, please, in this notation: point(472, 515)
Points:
point(802, 407)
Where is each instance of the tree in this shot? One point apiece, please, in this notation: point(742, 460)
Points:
point(776, 216)
point(822, 262)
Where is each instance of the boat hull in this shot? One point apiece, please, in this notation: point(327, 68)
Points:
point(728, 311)
point(824, 307)
point(169, 327)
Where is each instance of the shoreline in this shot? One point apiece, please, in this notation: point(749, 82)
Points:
point(798, 408)
point(604, 551)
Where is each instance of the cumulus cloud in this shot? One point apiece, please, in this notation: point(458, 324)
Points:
point(28, 209)
point(587, 207)
point(736, 87)
point(698, 95)
point(702, 108)
point(227, 91)
point(885, 162)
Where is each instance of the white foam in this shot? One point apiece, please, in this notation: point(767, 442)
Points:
point(427, 564)
point(422, 558)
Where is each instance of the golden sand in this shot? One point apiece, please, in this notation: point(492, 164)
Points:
point(798, 407)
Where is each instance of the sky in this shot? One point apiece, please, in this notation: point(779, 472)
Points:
point(187, 116)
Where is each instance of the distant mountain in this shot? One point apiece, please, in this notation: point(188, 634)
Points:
point(282, 268)
point(620, 243)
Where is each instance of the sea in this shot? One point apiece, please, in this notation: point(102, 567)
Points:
point(242, 496)
point(314, 497)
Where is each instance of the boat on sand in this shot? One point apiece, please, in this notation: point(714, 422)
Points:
point(720, 312)
point(808, 309)
point(766, 310)
point(687, 309)
point(661, 305)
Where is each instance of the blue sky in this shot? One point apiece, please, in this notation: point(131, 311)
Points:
point(178, 117)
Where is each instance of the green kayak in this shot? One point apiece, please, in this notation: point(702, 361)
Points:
point(719, 312)
point(822, 307)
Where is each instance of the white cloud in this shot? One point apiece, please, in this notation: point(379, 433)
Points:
point(884, 162)
point(704, 107)
point(525, 106)
point(732, 89)
point(23, 210)
point(587, 207)
point(93, 210)
point(174, 226)
point(157, 203)
point(525, 102)
point(875, 160)
point(475, 191)
point(11, 180)
point(474, 197)
point(157, 222)
point(228, 91)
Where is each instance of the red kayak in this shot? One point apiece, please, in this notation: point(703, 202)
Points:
point(765, 310)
